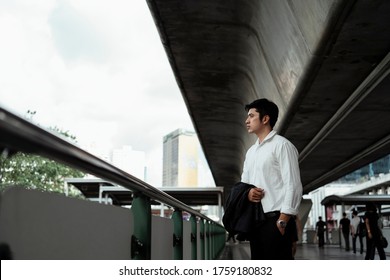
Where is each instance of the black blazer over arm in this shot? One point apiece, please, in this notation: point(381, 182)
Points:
point(241, 215)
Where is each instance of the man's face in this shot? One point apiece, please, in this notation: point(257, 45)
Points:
point(253, 123)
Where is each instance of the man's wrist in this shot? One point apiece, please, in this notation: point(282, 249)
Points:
point(284, 217)
point(282, 223)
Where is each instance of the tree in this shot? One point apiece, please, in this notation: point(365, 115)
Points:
point(32, 171)
point(36, 172)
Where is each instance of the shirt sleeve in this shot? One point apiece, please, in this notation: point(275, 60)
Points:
point(244, 175)
point(292, 185)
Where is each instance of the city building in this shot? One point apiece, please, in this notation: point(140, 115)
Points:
point(180, 159)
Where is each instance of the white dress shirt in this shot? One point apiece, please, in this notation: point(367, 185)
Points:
point(273, 166)
point(355, 223)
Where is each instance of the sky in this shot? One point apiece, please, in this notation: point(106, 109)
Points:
point(95, 68)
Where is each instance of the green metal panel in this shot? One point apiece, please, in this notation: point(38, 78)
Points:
point(194, 240)
point(219, 239)
point(207, 238)
point(202, 239)
point(141, 240)
point(177, 218)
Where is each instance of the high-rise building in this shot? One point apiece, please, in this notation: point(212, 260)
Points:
point(372, 169)
point(130, 161)
point(180, 159)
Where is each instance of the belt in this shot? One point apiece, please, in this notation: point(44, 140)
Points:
point(272, 214)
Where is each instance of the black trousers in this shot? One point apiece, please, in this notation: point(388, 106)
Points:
point(354, 237)
point(267, 243)
point(371, 245)
point(321, 239)
point(346, 239)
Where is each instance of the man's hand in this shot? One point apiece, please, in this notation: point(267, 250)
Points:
point(282, 230)
point(283, 217)
point(255, 194)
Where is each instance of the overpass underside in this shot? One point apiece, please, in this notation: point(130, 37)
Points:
point(325, 64)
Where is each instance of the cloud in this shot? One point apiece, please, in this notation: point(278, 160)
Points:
point(94, 68)
point(74, 36)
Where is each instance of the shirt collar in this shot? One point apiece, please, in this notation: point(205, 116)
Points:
point(267, 138)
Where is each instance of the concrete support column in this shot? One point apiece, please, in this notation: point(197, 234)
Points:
point(326, 226)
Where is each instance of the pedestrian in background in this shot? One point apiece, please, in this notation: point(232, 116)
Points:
point(374, 233)
point(320, 230)
point(345, 225)
point(356, 231)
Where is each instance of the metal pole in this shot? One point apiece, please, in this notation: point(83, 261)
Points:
point(177, 218)
point(141, 240)
point(194, 239)
point(202, 239)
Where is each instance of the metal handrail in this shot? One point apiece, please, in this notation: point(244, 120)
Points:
point(18, 134)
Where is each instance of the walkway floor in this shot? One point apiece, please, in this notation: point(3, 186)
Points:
point(241, 251)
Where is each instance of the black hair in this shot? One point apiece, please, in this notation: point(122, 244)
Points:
point(265, 107)
point(370, 206)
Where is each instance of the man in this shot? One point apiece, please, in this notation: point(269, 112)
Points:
point(320, 229)
point(271, 165)
point(355, 231)
point(345, 225)
point(374, 233)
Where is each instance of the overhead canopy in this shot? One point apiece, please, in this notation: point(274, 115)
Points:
point(88, 187)
point(356, 199)
point(325, 64)
point(100, 189)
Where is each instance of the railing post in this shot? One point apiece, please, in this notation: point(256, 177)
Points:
point(219, 239)
point(214, 240)
point(194, 239)
point(213, 235)
point(141, 239)
point(202, 239)
point(177, 218)
point(222, 238)
point(207, 237)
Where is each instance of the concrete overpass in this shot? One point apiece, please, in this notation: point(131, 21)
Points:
point(325, 63)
